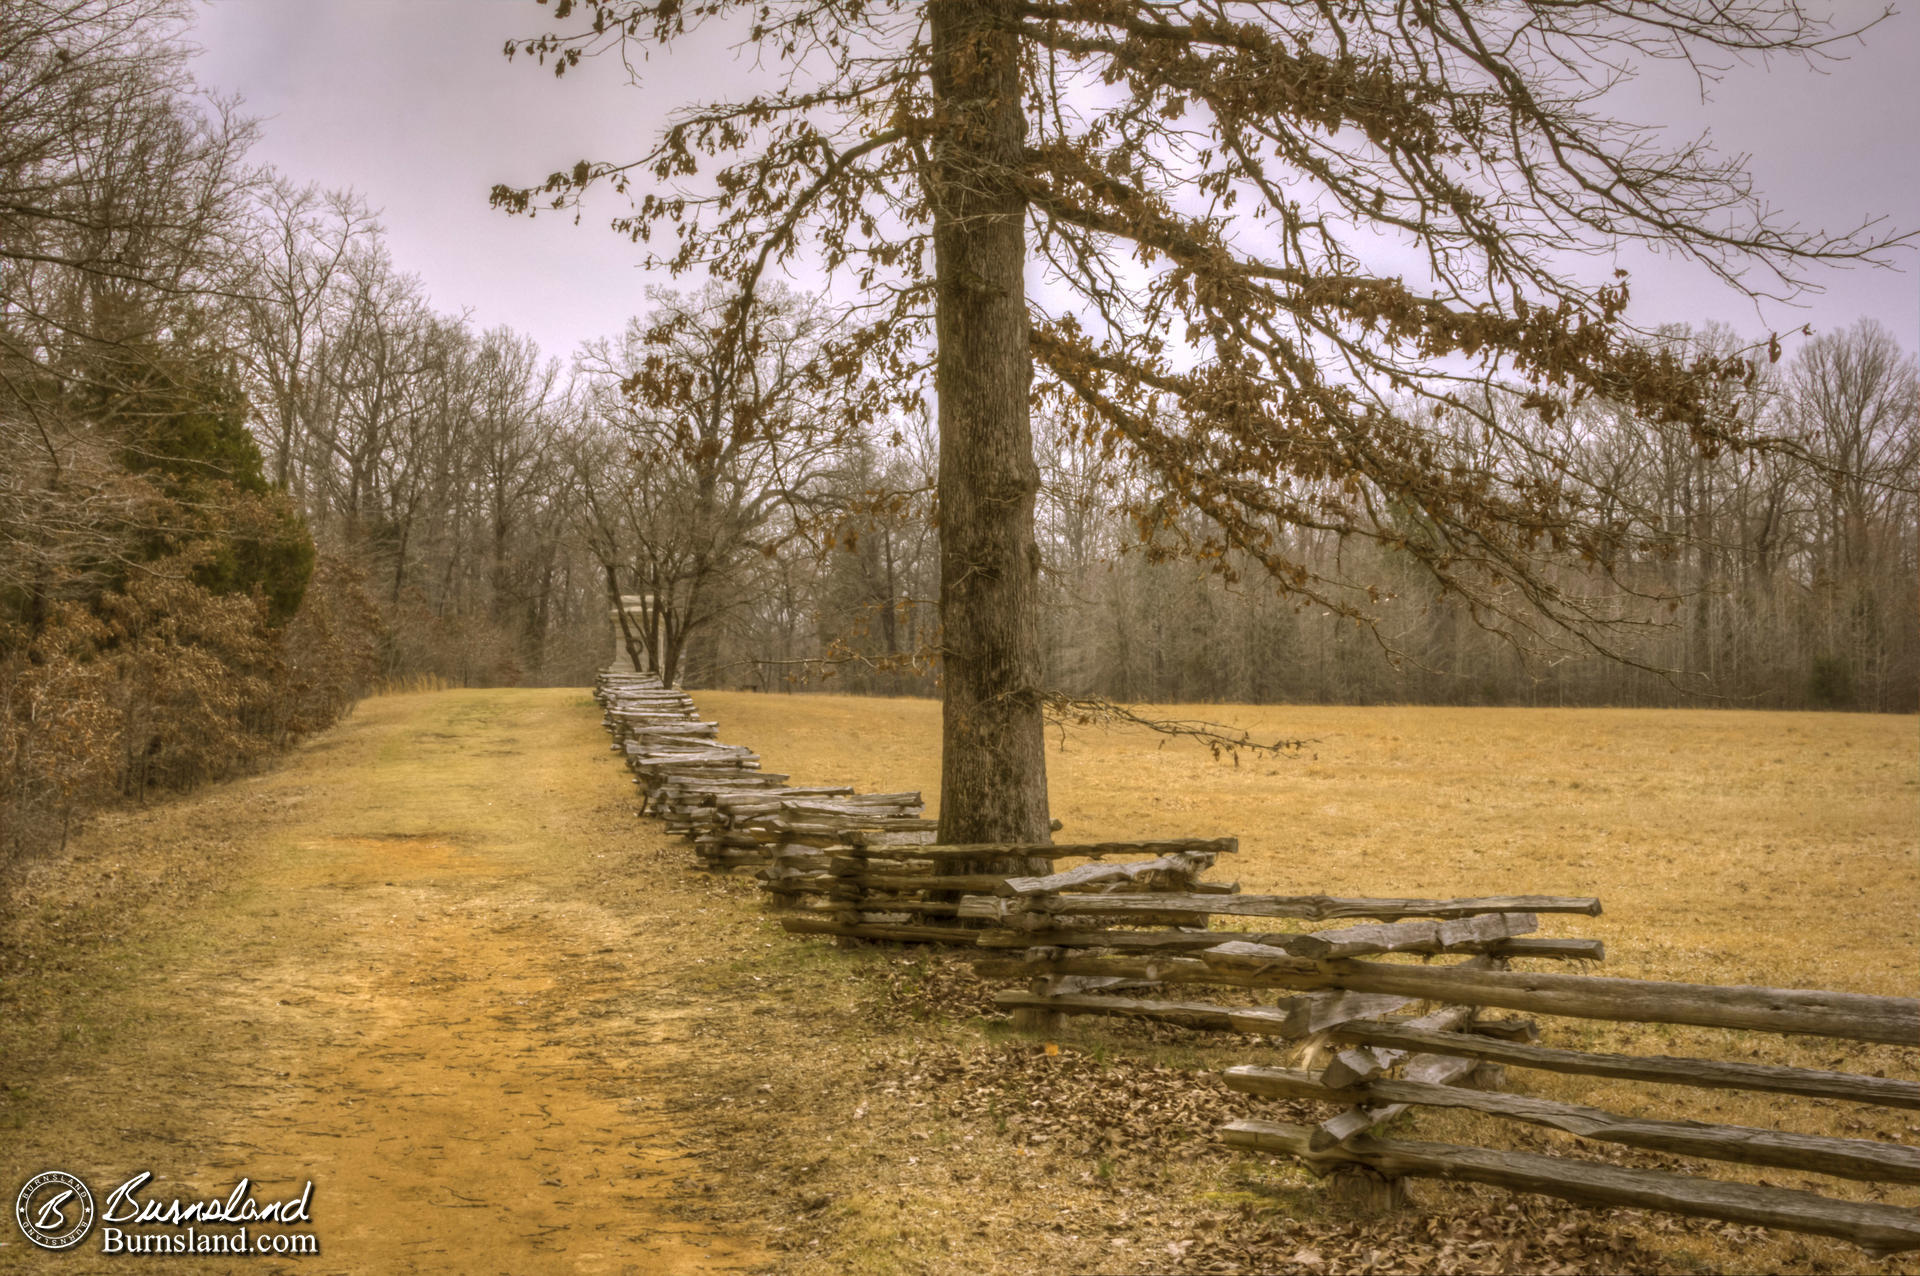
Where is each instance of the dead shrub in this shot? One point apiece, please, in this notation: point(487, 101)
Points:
point(163, 685)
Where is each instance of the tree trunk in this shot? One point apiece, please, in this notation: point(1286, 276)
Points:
point(993, 780)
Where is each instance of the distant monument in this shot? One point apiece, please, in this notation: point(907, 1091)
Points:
point(635, 605)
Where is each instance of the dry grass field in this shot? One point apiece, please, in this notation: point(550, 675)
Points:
point(1727, 847)
point(436, 965)
point(1770, 848)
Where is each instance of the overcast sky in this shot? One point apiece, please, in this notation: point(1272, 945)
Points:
point(410, 103)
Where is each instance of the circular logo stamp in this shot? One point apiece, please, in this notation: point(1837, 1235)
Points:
point(54, 1210)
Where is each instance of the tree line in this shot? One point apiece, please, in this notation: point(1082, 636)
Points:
point(783, 551)
point(250, 471)
point(1782, 580)
point(246, 471)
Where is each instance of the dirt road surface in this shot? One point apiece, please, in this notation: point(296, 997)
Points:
point(413, 966)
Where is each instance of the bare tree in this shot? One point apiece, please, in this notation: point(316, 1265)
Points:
point(1203, 181)
point(120, 190)
point(876, 569)
point(300, 242)
point(694, 440)
point(1853, 398)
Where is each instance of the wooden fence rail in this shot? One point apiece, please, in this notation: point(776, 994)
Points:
point(1879, 1229)
point(737, 815)
point(1112, 928)
point(880, 890)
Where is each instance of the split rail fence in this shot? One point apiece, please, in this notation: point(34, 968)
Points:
point(1400, 1036)
point(737, 815)
point(1136, 939)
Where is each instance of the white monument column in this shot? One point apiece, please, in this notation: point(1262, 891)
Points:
point(635, 605)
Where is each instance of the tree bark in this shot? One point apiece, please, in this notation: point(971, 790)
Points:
point(993, 781)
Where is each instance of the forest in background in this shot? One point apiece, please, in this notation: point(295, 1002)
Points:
point(249, 471)
point(1782, 579)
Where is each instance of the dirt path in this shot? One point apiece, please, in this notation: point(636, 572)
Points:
point(416, 973)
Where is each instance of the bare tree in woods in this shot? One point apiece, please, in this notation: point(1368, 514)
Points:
point(699, 431)
point(512, 471)
point(873, 584)
point(1200, 183)
point(118, 191)
point(304, 239)
point(1854, 397)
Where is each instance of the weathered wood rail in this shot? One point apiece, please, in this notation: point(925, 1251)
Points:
point(1083, 940)
point(737, 815)
point(1369, 1052)
point(880, 888)
point(1396, 1037)
point(1393, 992)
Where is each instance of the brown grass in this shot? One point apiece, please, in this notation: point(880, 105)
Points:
point(1773, 848)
